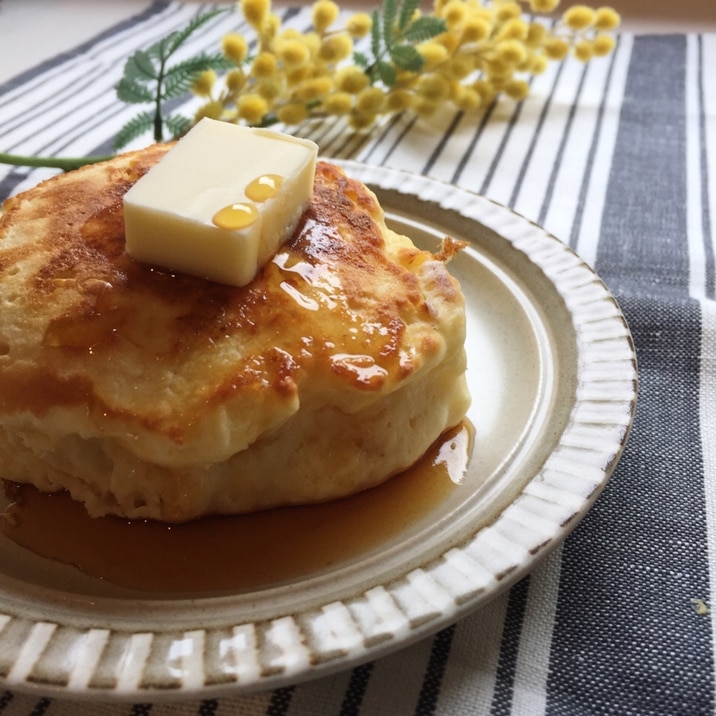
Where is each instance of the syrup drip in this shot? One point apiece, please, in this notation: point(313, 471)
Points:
point(242, 214)
point(236, 216)
point(264, 187)
point(237, 553)
point(363, 367)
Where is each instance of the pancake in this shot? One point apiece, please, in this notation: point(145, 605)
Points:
point(150, 394)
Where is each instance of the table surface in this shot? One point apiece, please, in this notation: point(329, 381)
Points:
point(617, 160)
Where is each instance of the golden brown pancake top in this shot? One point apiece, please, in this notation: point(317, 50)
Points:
point(83, 323)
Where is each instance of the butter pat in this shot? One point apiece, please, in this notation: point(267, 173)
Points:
point(220, 203)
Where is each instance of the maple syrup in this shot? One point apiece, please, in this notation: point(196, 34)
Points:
point(236, 553)
point(263, 187)
point(236, 216)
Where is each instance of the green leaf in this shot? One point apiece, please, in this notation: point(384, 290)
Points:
point(137, 126)
point(179, 77)
point(390, 11)
point(177, 125)
point(386, 73)
point(424, 28)
point(130, 91)
point(406, 57)
point(375, 35)
point(158, 50)
point(147, 80)
point(178, 38)
point(361, 59)
point(140, 66)
point(163, 49)
point(407, 10)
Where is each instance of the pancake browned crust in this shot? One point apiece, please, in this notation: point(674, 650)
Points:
point(154, 395)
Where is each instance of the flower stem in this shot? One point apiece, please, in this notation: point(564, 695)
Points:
point(64, 163)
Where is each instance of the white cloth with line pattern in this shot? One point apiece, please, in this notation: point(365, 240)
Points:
point(618, 159)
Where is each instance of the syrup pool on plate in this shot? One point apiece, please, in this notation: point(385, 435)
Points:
point(237, 553)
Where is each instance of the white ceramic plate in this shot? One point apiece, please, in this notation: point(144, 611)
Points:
point(553, 377)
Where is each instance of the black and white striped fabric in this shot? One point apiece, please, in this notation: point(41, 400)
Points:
point(618, 159)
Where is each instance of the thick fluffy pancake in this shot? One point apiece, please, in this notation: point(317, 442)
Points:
point(149, 394)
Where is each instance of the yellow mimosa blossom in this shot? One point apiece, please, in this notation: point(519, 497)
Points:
point(605, 18)
point(475, 29)
point(398, 100)
point(336, 48)
point(270, 89)
point(264, 65)
point(511, 52)
point(508, 10)
point(555, 48)
point(351, 79)
point(454, 13)
point(255, 11)
point(433, 54)
point(584, 50)
point(514, 29)
point(292, 51)
point(292, 113)
point(543, 5)
point(323, 14)
point(425, 106)
point(338, 103)
point(517, 89)
point(235, 80)
point(296, 75)
point(314, 88)
point(361, 121)
point(370, 100)
point(467, 98)
point(235, 47)
point(538, 64)
point(359, 25)
point(485, 91)
point(204, 83)
point(579, 17)
point(212, 110)
point(459, 67)
point(270, 27)
point(536, 34)
point(433, 87)
point(449, 40)
point(603, 44)
point(474, 52)
point(252, 108)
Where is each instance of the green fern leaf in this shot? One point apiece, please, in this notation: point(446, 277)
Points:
point(178, 38)
point(375, 35)
point(147, 80)
point(178, 77)
point(137, 126)
point(130, 91)
point(361, 59)
point(386, 73)
point(424, 28)
point(407, 10)
point(163, 49)
point(390, 12)
point(406, 57)
point(140, 66)
point(177, 125)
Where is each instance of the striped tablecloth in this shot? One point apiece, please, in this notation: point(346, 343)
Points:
point(618, 159)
